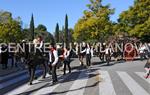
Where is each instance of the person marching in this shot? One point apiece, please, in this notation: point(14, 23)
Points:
point(87, 51)
point(53, 59)
point(142, 52)
point(108, 54)
point(36, 58)
point(147, 68)
point(82, 53)
point(66, 59)
point(4, 56)
point(88, 55)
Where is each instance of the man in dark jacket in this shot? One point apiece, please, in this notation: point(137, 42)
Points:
point(53, 59)
point(4, 56)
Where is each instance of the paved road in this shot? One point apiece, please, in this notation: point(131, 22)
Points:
point(122, 78)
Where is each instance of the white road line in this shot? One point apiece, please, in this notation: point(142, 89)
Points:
point(106, 86)
point(49, 89)
point(133, 86)
point(21, 88)
point(46, 90)
point(141, 74)
point(11, 75)
point(78, 87)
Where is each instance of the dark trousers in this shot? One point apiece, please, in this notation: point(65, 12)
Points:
point(52, 70)
point(32, 69)
point(31, 73)
point(88, 59)
point(67, 63)
point(142, 56)
point(12, 62)
point(54, 75)
point(101, 56)
point(4, 63)
point(108, 58)
point(81, 59)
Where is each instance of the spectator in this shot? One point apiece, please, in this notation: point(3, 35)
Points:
point(4, 56)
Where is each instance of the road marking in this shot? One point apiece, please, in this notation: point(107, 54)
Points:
point(141, 74)
point(78, 87)
point(105, 86)
point(46, 90)
point(49, 89)
point(133, 86)
point(21, 88)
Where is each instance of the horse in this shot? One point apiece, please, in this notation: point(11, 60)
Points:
point(34, 58)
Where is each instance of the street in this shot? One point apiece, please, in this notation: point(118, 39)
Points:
point(119, 78)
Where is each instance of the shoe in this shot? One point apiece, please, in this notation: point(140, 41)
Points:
point(35, 77)
point(50, 73)
point(30, 83)
point(43, 77)
point(146, 76)
point(54, 83)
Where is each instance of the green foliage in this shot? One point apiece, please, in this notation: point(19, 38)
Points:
point(41, 30)
point(136, 20)
point(32, 28)
point(57, 34)
point(41, 27)
point(95, 24)
point(71, 31)
point(66, 31)
point(10, 29)
point(61, 35)
point(5, 16)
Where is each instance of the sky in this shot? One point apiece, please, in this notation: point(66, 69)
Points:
point(50, 12)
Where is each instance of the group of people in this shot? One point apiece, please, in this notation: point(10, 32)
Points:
point(52, 59)
point(56, 55)
point(84, 50)
point(87, 51)
point(8, 57)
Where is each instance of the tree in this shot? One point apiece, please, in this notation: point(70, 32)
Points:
point(61, 35)
point(41, 30)
point(57, 33)
point(10, 29)
point(135, 21)
point(32, 27)
point(66, 31)
point(95, 24)
point(5, 16)
point(41, 27)
point(71, 31)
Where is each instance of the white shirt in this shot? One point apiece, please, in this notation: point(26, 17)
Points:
point(66, 53)
point(142, 49)
point(107, 50)
point(92, 52)
point(88, 50)
point(55, 57)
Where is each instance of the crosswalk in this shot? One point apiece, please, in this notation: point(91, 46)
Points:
point(133, 86)
point(106, 87)
point(79, 85)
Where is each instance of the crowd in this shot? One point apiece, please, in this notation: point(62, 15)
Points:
point(60, 55)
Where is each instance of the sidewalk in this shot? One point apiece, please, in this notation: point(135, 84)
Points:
point(9, 70)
